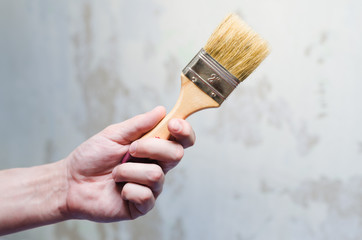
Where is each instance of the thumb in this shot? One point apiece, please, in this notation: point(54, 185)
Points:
point(134, 128)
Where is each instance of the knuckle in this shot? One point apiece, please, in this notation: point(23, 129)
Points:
point(178, 153)
point(109, 130)
point(126, 190)
point(146, 197)
point(190, 138)
point(121, 171)
point(155, 175)
point(140, 126)
point(188, 129)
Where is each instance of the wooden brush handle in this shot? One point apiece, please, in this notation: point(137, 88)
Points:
point(191, 99)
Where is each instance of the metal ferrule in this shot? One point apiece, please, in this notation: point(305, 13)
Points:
point(212, 78)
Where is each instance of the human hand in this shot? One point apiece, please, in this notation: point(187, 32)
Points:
point(100, 189)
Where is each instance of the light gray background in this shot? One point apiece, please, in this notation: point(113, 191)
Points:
point(282, 157)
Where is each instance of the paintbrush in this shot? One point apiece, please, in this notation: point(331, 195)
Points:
point(230, 55)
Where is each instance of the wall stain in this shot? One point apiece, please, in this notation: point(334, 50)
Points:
point(149, 50)
point(175, 181)
point(67, 230)
point(322, 101)
point(240, 13)
point(305, 140)
point(265, 187)
point(308, 50)
point(147, 227)
point(101, 230)
point(115, 230)
point(343, 199)
point(173, 70)
point(313, 47)
point(49, 150)
point(99, 83)
point(323, 38)
point(359, 144)
point(339, 204)
point(256, 107)
point(323, 189)
point(236, 196)
point(178, 231)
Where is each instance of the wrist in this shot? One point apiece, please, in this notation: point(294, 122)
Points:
point(33, 197)
point(50, 187)
point(61, 189)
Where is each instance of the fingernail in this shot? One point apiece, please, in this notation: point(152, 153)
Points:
point(176, 126)
point(133, 147)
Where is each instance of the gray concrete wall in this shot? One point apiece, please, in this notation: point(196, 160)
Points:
point(281, 158)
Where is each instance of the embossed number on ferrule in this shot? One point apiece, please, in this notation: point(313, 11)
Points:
point(212, 78)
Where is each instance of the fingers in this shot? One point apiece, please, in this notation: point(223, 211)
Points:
point(144, 183)
point(182, 132)
point(167, 153)
point(141, 199)
point(157, 149)
point(132, 129)
point(165, 150)
point(149, 175)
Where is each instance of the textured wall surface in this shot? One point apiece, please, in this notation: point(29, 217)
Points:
point(282, 157)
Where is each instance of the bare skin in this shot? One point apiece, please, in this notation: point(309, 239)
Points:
point(90, 183)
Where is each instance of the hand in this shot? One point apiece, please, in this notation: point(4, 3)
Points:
point(100, 189)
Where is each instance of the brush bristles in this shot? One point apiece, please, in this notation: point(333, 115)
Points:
point(237, 47)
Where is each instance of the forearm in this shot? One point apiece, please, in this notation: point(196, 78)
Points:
point(32, 197)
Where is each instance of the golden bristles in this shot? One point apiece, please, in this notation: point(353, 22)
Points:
point(237, 47)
